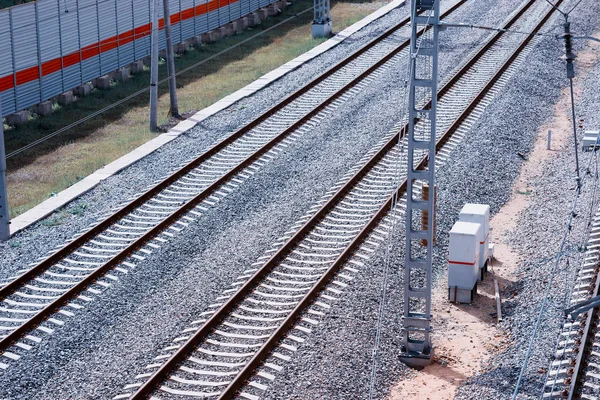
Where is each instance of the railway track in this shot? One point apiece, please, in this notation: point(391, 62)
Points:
point(237, 346)
point(574, 372)
point(47, 293)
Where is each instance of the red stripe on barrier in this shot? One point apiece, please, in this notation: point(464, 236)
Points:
point(28, 75)
point(187, 14)
point(86, 52)
point(202, 9)
point(213, 5)
point(51, 66)
point(142, 31)
point(108, 44)
point(125, 37)
point(70, 59)
point(7, 82)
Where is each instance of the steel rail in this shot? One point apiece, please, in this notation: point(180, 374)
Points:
point(54, 306)
point(318, 287)
point(580, 361)
point(191, 344)
point(101, 226)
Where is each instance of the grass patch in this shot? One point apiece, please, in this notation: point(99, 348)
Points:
point(524, 192)
point(36, 174)
point(55, 220)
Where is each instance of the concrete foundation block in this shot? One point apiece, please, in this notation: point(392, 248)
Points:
point(18, 118)
point(272, 10)
point(180, 48)
point(65, 99)
point(242, 23)
point(216, 35)
point(253, 19)
point(162, 54)
point(102, 82)
point(191, 42)
point(44, 108)
point(235, 26)
point(120, 75)
point(197, 41)
point(208, 37)
point(136, 67)
point(262, 14)
point(226, 30)
point(321, 30)
point(147, 61)
point(83, 90)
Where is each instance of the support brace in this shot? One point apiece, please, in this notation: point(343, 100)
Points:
point(573, 312)
point(416, 344)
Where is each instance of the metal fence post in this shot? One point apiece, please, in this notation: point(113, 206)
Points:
point(39, 51)
point(174, 107)
point(154, 69)
point(4, 217)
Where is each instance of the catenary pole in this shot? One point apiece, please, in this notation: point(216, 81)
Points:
point(154, 69)
point(570, 57)
point(416, 342)
point(4, 218)
point(174, 107)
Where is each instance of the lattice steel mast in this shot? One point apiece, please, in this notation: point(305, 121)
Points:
point(422, 100)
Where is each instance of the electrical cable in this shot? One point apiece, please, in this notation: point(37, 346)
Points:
point(541, 313)
point(145, 89)
point(574, 7)
point(574, 287)
point(556, 8)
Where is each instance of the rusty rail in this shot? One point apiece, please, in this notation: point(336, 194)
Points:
point(40, 268)
point(191, 344)
point(586, 340)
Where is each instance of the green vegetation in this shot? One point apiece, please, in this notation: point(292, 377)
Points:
point(36, 174)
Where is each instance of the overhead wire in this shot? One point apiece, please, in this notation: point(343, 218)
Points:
point(574, 7)
point(145, 89)
point(553, 273)
point(554, 270)
point(574, 287)
point(555, 7)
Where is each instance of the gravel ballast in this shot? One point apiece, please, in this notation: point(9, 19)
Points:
point(538, 236)
point(104, 346)
point(481, 169)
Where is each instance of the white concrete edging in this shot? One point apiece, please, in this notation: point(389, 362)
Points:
point(64, 197)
